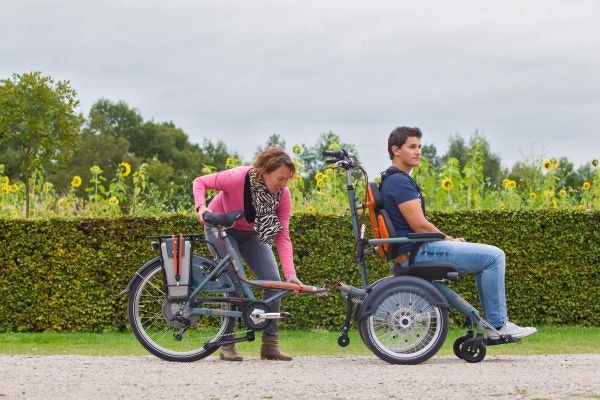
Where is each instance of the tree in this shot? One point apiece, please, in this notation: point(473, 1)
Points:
point(273, 141)
point(38, 123)
point(312, 158)
point(430, 153)
point(458, 149)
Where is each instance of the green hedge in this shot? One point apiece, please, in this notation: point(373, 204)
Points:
point(65, 274)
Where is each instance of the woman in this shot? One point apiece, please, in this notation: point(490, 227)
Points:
point(261, 191)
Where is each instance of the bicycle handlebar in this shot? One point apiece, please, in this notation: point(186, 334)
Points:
point(337, 154)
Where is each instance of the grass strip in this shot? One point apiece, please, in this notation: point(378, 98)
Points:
point(548, 340)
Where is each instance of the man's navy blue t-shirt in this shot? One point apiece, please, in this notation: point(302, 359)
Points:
point(397, 188)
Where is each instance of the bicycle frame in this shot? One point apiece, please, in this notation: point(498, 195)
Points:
point(244, 282)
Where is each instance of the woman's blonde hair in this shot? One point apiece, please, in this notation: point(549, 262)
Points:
point(272, 158)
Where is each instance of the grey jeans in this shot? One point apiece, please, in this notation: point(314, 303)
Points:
point(259, 257)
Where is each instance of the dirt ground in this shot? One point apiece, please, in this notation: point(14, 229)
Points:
point(365, 377)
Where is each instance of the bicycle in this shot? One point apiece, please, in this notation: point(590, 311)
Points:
point(183, 306)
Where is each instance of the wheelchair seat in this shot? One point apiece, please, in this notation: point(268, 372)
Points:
point(382, 228)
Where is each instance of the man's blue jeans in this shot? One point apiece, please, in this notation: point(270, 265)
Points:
point(488, 263)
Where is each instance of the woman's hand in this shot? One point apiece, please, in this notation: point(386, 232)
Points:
point(201, 210)
point(293, 279)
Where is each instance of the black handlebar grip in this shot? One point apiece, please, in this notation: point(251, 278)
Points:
point(337, 154)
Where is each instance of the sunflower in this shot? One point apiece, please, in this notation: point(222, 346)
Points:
point(595, 162)
point(554, 203)
point(547, 164)
point(509, 184)
point(124, 169)
point(47, 187)
point(320, 176)
point(562, 193)
point(321, 183)
point(76, 181)
point(113, 201)
point(586, 186)
point(532, 196)
point(446, 183)
point(63, 203)
point(5, 180)
point(296, 149)
point(549, 194)
point(95, 170)
point(310, 209)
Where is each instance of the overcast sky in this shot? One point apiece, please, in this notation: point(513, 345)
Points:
point(526, 74)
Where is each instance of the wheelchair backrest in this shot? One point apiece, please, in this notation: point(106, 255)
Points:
point(381, 224)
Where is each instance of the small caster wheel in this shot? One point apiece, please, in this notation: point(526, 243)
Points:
point(343, 341)
point(472, 352)
point(458, 343)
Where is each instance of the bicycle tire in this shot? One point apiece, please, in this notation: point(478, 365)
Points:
point(150, 311)
point(405, 327)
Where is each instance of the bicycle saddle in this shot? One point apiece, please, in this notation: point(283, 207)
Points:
point(225, 220)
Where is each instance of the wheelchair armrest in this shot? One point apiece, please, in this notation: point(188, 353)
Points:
point(425, 235)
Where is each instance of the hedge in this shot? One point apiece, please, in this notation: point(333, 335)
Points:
point(65, 274)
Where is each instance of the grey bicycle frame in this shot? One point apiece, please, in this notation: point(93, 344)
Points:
point(234, 258)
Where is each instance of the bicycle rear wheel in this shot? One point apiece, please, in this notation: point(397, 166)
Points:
point(405, 327)
point(151, 315)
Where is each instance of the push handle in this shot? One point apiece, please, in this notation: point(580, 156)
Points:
point(336, 154)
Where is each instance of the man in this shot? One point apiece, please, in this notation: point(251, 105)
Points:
point(403, 201)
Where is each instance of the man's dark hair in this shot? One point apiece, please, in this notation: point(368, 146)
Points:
point(399, 135)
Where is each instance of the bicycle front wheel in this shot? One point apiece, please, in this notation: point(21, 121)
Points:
point(405, 327)
point(158, 323)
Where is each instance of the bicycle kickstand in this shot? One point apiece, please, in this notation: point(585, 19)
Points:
point(344, 340)
point(250, 336)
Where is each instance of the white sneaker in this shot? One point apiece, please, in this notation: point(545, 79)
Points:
point(510, 329)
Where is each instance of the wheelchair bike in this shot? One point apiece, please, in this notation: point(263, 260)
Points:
point(403, 319)
point(183, 306)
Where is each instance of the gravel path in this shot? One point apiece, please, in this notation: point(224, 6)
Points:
point(497, 377)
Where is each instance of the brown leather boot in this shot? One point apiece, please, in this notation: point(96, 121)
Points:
point(270, 349)
point(228, 353)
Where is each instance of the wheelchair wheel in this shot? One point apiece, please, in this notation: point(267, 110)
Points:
point(472, 352)
point(158, 323)
point(456, 347)
point(405, 327)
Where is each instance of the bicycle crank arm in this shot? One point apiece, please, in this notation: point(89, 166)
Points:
point(212, 345)
point(257, 315)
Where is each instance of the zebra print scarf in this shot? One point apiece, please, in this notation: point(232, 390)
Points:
point(266, 223)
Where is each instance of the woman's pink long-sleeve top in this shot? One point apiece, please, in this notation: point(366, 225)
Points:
point(230, 184)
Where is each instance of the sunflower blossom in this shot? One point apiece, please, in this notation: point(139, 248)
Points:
point(446, 183)
point(113, 201)
point(586, 186)
point(547, 164)
point(124, 169)
point(76, 181)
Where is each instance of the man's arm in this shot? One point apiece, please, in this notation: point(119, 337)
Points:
point(412, 212)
